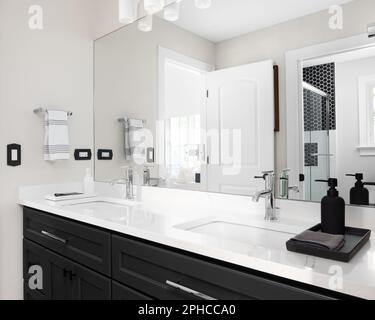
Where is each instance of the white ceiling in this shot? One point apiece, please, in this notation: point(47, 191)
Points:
point(227, 19)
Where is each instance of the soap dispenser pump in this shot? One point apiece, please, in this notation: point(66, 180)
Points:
point(332, 210)
point(359, 195)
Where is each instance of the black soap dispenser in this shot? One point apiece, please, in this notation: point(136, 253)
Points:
point(332, 210)
point(359, 195)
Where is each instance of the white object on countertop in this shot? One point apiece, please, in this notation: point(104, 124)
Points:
point(71, 197)
point(88, 183)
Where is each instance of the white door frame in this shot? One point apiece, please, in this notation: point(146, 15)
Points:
point(294, 93)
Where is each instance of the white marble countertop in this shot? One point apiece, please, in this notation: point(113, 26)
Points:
point(161, 220)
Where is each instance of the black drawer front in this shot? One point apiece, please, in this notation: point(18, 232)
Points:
point(156, 271)
point(88, 246)
point(121, 292)
point(146, 267)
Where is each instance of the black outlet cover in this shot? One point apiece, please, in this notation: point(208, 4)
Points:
point(14, 155)
point(82, 154)
point(105, 154)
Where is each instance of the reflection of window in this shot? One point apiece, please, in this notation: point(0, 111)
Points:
point(367, 115)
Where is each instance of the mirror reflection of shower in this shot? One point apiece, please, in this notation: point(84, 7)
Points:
point(319, 128)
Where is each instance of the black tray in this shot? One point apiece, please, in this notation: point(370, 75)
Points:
point(355, 239)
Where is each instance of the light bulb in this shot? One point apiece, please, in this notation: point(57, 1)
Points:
point(203, 4)
point(172, 12)
point(145, 24)
point(128, 11)
point(153, 6)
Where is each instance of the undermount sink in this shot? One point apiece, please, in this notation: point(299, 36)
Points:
point(258, 233)
point(104, 209)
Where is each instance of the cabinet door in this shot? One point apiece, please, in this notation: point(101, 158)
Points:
point(56, 284)
point(89, 285)
point(62, 278)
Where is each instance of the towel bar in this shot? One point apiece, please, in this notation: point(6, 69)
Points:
point(42, 110)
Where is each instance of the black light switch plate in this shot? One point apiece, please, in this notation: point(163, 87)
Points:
point(105, 154)
point(14, 155)
point(82, 154)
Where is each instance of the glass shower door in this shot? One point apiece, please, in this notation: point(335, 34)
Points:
point(317, 151)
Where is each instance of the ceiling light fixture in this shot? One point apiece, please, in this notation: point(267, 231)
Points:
point(153, 6)
point(128, 11)
point(172, 12)
point(145, 24)
point(203, 4)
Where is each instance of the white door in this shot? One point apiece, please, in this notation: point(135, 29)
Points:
point(240, 127)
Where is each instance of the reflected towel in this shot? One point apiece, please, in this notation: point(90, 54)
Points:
point(56, 136)
point(321, 240)
point(133, 135)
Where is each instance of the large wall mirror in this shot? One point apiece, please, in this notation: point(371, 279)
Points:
point(332, 126)
point(166, 106)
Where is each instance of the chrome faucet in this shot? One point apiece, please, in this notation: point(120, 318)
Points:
point(146, 176)
point(128, 181)
point(268, 194)
point(284, 187)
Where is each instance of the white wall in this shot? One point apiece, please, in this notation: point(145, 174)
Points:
point(347, 135)
point(273, 42)
point(48, 68)
point(126, 83)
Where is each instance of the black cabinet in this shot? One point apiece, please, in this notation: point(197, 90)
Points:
point(62, 278)
point(121, 292)
point(84, 262)
point(84, 244)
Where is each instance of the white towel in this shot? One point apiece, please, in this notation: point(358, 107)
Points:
point(133, 150)
point(56, 136)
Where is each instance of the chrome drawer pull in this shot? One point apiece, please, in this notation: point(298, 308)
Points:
point(52, 236)
point(189, 291)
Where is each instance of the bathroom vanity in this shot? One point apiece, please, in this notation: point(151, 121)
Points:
point(107, 248)
point(85, 262)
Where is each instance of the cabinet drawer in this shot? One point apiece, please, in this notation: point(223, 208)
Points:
point(160, 273)
point(88, 246)
point(121, 292)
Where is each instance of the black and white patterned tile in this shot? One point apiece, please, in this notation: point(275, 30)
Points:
point(315, 108)
point(310, 160)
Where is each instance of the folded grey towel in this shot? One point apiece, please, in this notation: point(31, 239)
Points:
point(321, 240)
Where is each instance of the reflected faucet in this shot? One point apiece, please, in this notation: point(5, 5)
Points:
point(128, 181)
point(268, 194)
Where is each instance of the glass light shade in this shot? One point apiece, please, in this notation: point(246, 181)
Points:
point(153, 6)
point(203, 4)
point(145, 24)
point(128, 11)
point(172, 12)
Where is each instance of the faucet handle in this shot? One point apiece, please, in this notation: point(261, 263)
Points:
point(260, 177)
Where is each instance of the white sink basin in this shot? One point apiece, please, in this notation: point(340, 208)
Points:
point(258, 233)
point(104, 210)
